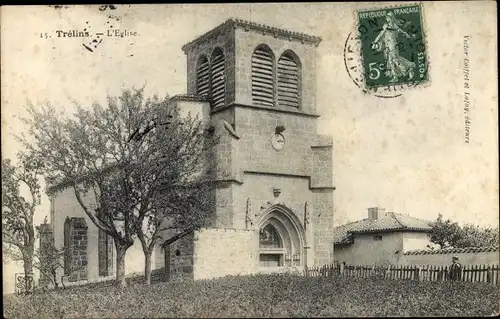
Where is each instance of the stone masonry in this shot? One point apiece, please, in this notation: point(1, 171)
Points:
point(46, 245)
point(78, 257)
point(248, 168)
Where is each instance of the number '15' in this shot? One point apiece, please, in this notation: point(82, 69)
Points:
point(44, 35)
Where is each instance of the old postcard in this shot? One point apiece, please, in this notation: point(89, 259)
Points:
point(250, 160)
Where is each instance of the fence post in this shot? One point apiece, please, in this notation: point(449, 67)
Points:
point(417, 273)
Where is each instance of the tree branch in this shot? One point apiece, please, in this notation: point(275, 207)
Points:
point(178, 236)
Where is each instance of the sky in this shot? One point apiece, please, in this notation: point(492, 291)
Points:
point(404, 154)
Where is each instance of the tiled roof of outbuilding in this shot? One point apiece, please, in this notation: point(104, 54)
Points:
point(453, 250)
point(390, 222)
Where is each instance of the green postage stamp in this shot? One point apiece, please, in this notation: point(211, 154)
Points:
point(393, 46)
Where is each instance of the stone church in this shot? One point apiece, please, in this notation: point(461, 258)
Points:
point(274, 196)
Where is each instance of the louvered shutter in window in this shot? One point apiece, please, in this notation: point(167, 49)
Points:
point(262, 77)
point(288, 82)
point(202, 77)
point(218, 81)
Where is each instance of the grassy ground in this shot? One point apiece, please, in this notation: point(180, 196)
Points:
point(263, 296)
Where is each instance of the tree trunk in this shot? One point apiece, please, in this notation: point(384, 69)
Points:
point(28, 271)
point(147, 266)
point(120, 265)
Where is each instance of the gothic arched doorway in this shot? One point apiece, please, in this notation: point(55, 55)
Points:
point(281, 239)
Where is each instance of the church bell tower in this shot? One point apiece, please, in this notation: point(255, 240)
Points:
point(274, 171)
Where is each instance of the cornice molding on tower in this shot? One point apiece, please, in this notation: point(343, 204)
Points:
point(190, 98)
point(247, 26)
point(265, 108)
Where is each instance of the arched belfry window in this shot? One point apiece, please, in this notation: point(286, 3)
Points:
point(202, 76)
point(218, 84)
point(289, 80)
point(263, 76)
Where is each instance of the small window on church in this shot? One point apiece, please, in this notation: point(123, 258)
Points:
point(378, 237)
point(288, 80)
point(218, 84)
point(263, 76)
point(202, 76)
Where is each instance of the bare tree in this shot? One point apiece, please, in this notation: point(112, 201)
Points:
point(119, 156)
point(179, 209)
point(18, 232)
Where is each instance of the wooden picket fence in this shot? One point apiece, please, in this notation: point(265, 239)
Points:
point(470, 273)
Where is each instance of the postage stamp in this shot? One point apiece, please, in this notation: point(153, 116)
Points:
point(393, 46)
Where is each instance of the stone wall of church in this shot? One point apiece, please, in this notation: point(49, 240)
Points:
point(64, 204)
point(255, 152)
point(46, 244)
point(227, 167)
point(322, 225)
point(76, 258)
point(220, 252)
point(302, 171)
point(181, 258)
point(256, 195)
point(321, 170)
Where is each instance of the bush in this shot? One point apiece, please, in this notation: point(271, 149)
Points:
point(286, 295)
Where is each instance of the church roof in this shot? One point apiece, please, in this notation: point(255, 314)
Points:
point(391, 222)
point(257, 27)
